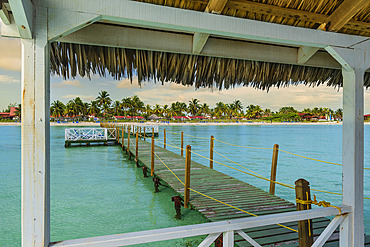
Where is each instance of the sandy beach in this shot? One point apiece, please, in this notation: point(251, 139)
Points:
point(92, 124)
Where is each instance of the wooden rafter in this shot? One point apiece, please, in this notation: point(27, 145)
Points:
point(298, 15)
point(200, 39)
point(344, 13)
point(215, 6)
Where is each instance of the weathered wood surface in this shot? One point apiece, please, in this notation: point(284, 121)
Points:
point(229, 190)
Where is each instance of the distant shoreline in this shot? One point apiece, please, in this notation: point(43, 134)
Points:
point(91, 124)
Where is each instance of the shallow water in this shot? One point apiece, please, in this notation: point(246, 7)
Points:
point(97, 191)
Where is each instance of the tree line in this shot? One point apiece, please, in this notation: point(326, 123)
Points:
point(104, 107)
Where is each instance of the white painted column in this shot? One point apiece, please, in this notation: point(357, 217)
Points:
point(36, 135)
point(352, 228)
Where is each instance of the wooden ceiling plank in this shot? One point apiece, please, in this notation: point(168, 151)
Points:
point(298, 15)
point(344, 13)
point(215, 6)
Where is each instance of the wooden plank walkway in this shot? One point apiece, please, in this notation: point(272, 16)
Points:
point(229, 190)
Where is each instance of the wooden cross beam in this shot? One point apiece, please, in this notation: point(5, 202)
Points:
point(200, 39)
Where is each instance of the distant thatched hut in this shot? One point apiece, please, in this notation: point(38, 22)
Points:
point(153, 117)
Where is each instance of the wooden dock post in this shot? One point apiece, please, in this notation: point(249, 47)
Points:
point(275, 153)
point(128, 141)
point(302, 191)
point(144, 133)
point(123, 136)
point(117, 134)
point(137, 149)
point(211, 153)
point(164, 138)
point(152, 160)
point(187, 175)
point(182, 143)
point(140, 132)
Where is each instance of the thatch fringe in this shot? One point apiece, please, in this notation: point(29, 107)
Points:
point(68, 60)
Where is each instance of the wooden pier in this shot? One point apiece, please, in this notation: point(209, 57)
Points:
point(219, 197)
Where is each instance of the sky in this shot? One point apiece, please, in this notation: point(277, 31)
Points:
point(152, 93)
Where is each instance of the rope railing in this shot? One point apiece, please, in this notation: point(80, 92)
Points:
point(214, 199)
point(251, 173)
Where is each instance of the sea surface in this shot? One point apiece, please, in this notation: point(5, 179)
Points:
point(98, 191)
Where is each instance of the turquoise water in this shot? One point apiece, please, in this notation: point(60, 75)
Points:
point(97, 191)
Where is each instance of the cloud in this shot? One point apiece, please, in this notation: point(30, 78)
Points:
point(83, 97)
point(10, 58)
point(75, 83)
point(126, 84)
point(5, 79)
point(298, 96)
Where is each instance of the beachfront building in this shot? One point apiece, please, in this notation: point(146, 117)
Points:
point(215, 43)
point(9, 115)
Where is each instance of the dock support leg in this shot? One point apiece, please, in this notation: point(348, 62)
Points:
point(145, 170)
point(156, 185)
point(178, 203)
point(35, 144)
point(228, 239)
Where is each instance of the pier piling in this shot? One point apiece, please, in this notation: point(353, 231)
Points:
point(187, 175)
point(164, 138)
point(152, 158)
point(123, 138)
point(302, 191)
point(144, 134)
point(137, 149)
point(128, 142)
point(274, 168)
point(182, 143)
point(211, 153)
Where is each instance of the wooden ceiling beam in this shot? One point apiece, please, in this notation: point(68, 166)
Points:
point(344, 13)
point(200, 39)
point(298, 15)
point(215, 6)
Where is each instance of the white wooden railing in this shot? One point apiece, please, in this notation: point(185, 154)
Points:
point(90, 134)
point(134, 127)
point(215, 229)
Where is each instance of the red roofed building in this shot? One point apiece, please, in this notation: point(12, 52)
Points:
point(367, 116)
point(10, 114)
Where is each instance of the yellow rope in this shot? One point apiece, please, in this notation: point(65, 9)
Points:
point(257, 175)
point(199, 137)
point(241, 146)
point(215, 198)
point(327, 162)
point(320, 203)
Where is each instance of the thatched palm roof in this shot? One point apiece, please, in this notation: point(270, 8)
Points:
point(68, 60)
point(195, 70)
point(300, 13)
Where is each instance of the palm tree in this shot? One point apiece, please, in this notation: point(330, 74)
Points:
point(104, 101)
point(193, 106)
point(18, 111)
point(137, 104)
point(220, 109)
point(148, 110)
point(157, 109)
point(165, 111)
point(204, 109)
point(57, 109)
point(117, 108)
point(94, 109)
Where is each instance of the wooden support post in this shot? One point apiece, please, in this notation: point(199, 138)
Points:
point(123, 136)
point(128, 142)
point(211, 153)
point(152, 161)
point(182, 143)
point(164, 138)
point(137, 149)
point(275, 153)
point(144, 133)
point(187, 175)
point(140, 132)
point(302, 192)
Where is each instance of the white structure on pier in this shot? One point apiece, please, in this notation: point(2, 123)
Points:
point(160, 28)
